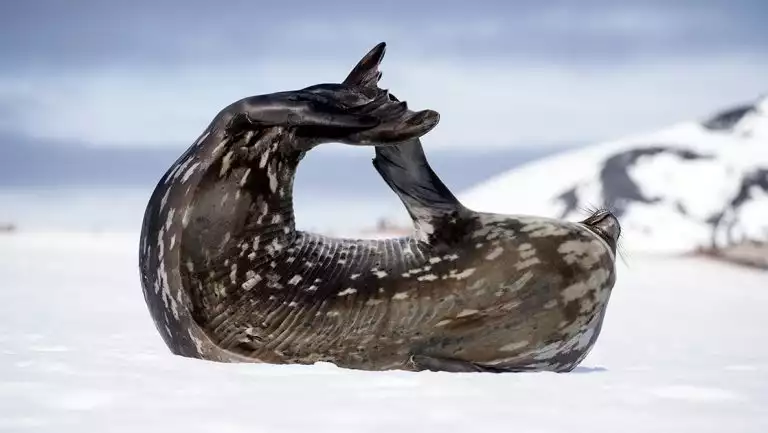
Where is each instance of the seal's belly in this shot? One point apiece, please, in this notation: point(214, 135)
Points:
point(533, 326)
point(548, 323)
point(535, 309)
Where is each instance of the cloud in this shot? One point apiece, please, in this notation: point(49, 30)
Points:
point(500, 73)
point(91, 32)
point(483, 103)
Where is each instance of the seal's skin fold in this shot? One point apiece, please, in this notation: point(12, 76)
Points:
point(227, 277)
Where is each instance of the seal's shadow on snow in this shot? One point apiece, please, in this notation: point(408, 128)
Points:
point(589, 370)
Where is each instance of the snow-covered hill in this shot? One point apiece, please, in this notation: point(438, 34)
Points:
point(697, 184)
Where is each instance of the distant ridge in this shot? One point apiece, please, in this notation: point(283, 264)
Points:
point(695, 185)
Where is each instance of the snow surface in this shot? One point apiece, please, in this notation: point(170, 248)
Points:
point(683, 349)
point(88, 209)
point(702, 187)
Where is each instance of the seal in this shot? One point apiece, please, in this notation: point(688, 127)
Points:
point(228, 277)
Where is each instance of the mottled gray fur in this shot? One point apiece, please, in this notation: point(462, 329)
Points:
point(227, 277)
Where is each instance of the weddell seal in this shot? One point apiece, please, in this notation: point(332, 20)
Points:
point(227, 277)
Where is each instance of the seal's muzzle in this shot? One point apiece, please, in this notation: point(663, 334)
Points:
point(605, 224)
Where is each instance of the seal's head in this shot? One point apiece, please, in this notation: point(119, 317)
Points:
point(606, 226)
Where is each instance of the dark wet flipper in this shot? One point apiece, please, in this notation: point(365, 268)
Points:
point(429, 363)
point(356, 112)
point(385, 110)
point(299, 109)
point(397, 123)
point(406, 127)
point(407, 172)
point(366, 73)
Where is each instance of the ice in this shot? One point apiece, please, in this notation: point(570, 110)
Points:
point(686, 195)
point(682, 349)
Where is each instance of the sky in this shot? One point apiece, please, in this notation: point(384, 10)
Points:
point(502, 74)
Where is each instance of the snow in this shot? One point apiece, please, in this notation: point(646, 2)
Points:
point(702, 188)
point(682, 349)
point(90, 209)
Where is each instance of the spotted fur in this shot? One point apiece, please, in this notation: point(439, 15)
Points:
point(228, 277)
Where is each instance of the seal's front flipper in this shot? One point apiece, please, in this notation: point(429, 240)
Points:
point(405, 169)
point(432, 206)
point(430, 363)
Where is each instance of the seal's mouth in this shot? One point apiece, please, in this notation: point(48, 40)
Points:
point(605, 225)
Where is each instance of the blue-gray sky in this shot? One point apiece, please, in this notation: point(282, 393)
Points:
point(139, 33)
point(28, 164)
point(502, 73)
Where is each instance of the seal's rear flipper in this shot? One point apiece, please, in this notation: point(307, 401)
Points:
point(366, 73)
point(398, 123)
point(410, 125)
point(358, 112)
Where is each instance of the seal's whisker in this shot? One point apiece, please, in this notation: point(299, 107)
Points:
point(623, 253)
point(591, 208)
